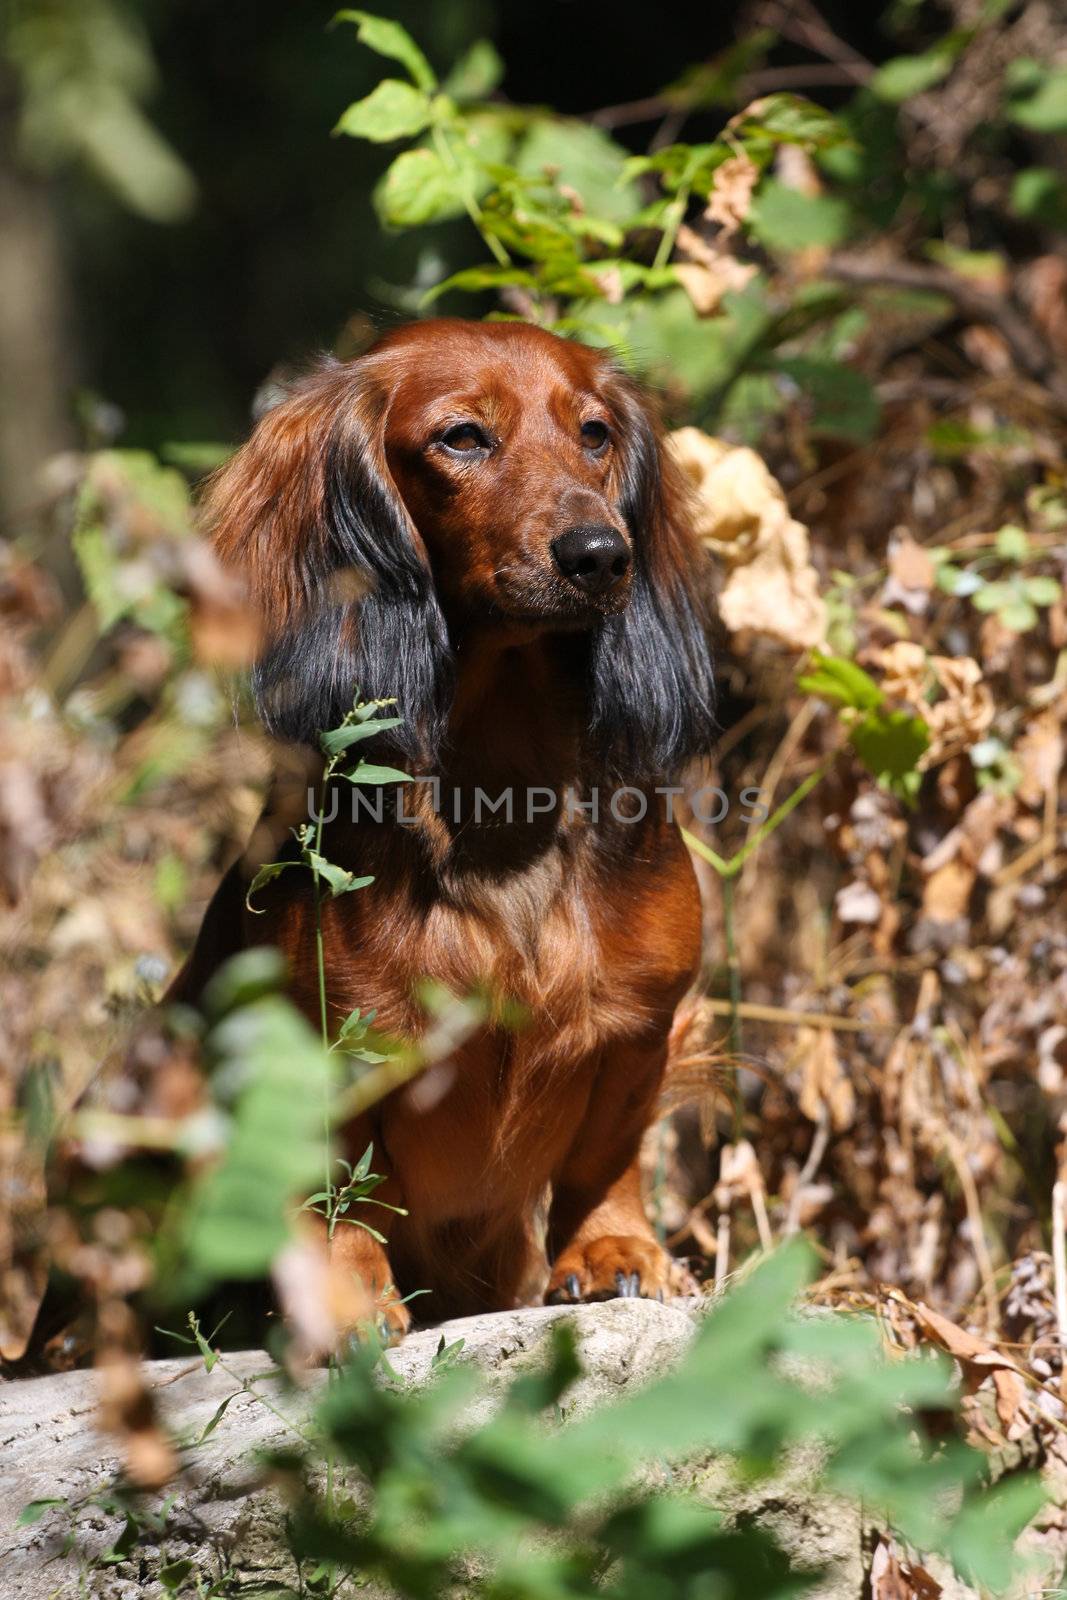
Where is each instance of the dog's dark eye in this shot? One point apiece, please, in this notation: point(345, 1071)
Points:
point(466, 438)
point(595, 437)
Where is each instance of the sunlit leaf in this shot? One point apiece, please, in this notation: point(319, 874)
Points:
point(785, 219)
point(392, 110)
point(841, 682)
point(418, 188)
point(388, 38)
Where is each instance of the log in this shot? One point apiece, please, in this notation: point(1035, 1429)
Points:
point(229, 1526)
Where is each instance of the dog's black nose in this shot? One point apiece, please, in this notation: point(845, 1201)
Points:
point(594, 557)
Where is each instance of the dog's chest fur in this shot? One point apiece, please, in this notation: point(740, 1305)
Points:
point(573, 966)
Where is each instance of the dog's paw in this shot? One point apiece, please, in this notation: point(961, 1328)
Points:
point(387, 1320)
point(617, 1266)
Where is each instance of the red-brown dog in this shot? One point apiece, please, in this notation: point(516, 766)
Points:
point(478, 519)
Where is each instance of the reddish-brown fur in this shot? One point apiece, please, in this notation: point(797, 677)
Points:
point(594, 929)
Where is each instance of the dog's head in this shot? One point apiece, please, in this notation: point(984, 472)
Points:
point(463, 477)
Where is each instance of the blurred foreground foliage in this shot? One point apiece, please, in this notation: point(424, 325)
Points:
point(876, 296)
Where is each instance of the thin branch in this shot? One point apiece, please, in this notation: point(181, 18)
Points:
point(1059, 1258)
point(1032, 352)
point(820, 1139)
point(668, 107)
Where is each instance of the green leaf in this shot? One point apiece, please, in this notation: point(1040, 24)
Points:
point(366, 772)
point(841, 682)
point(389, 39)
point(958, 581)
point(220, 1411)
point(266, 874)
point(1018, 615)
point(1012, 544)
point(586, 159)
point(209, 1354)
point(195, 456)
point(898, 79)
point(1040, 194)
point(791, 119)
point(237, 1217)
point(34, 1510)
point(173, 1576)
point(476, 74)
point(340, 880)
point(419, 188)
point(473, 280)
point(983, 1534)
point(890, 745)
point(1036, 96)
point(335, 740)
point(1042, 591)
point(994, 596)
point(784, 219)
point(245, 977)
point(392, 110)
point(842, 401)
point(354, 1023)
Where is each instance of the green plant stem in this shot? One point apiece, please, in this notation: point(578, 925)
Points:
point(733, 972)
point(246, 1387)
point(320, 961)
point(672, 223)
point(728, 870)
point(471, 206)
point(731, 867)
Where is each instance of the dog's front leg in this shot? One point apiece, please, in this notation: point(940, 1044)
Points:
point(601, 1243)
point(366, 1290)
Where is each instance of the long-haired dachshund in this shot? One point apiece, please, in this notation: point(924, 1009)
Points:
point(479, 519)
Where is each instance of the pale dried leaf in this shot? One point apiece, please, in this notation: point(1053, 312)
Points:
point(706, 285)
point(731, 195)
point(740, 512)
point(825, 1085)
point(1039, 753)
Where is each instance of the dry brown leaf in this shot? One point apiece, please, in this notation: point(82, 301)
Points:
point(706, 285)
point(1013, 1410)
point(731, 194)
point(740, 512)
point(911, 574)
point(1039, 753)
point(963, 712)
point(127, 1408)
point(894, 1578)
point(968, 1348)
point(611, 285)
point(947, 892)
point(824, 1081)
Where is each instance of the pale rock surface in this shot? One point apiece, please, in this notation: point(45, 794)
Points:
point(225, 1523)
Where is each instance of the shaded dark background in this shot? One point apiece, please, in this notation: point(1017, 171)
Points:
point(177, 325)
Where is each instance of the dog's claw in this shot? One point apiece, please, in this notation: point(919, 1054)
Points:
point(620, 1284)
point(574, 1288)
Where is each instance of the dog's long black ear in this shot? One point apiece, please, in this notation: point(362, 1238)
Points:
point(653, 683)
point(307, 509)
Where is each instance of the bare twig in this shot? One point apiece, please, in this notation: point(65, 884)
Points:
point(977, 1226)
point(820, 1140)
point(722, 1247)
point(786, 1017)
point(1059, 1257)
point(1033, 353)
point(768, 80)
point(801, 23)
